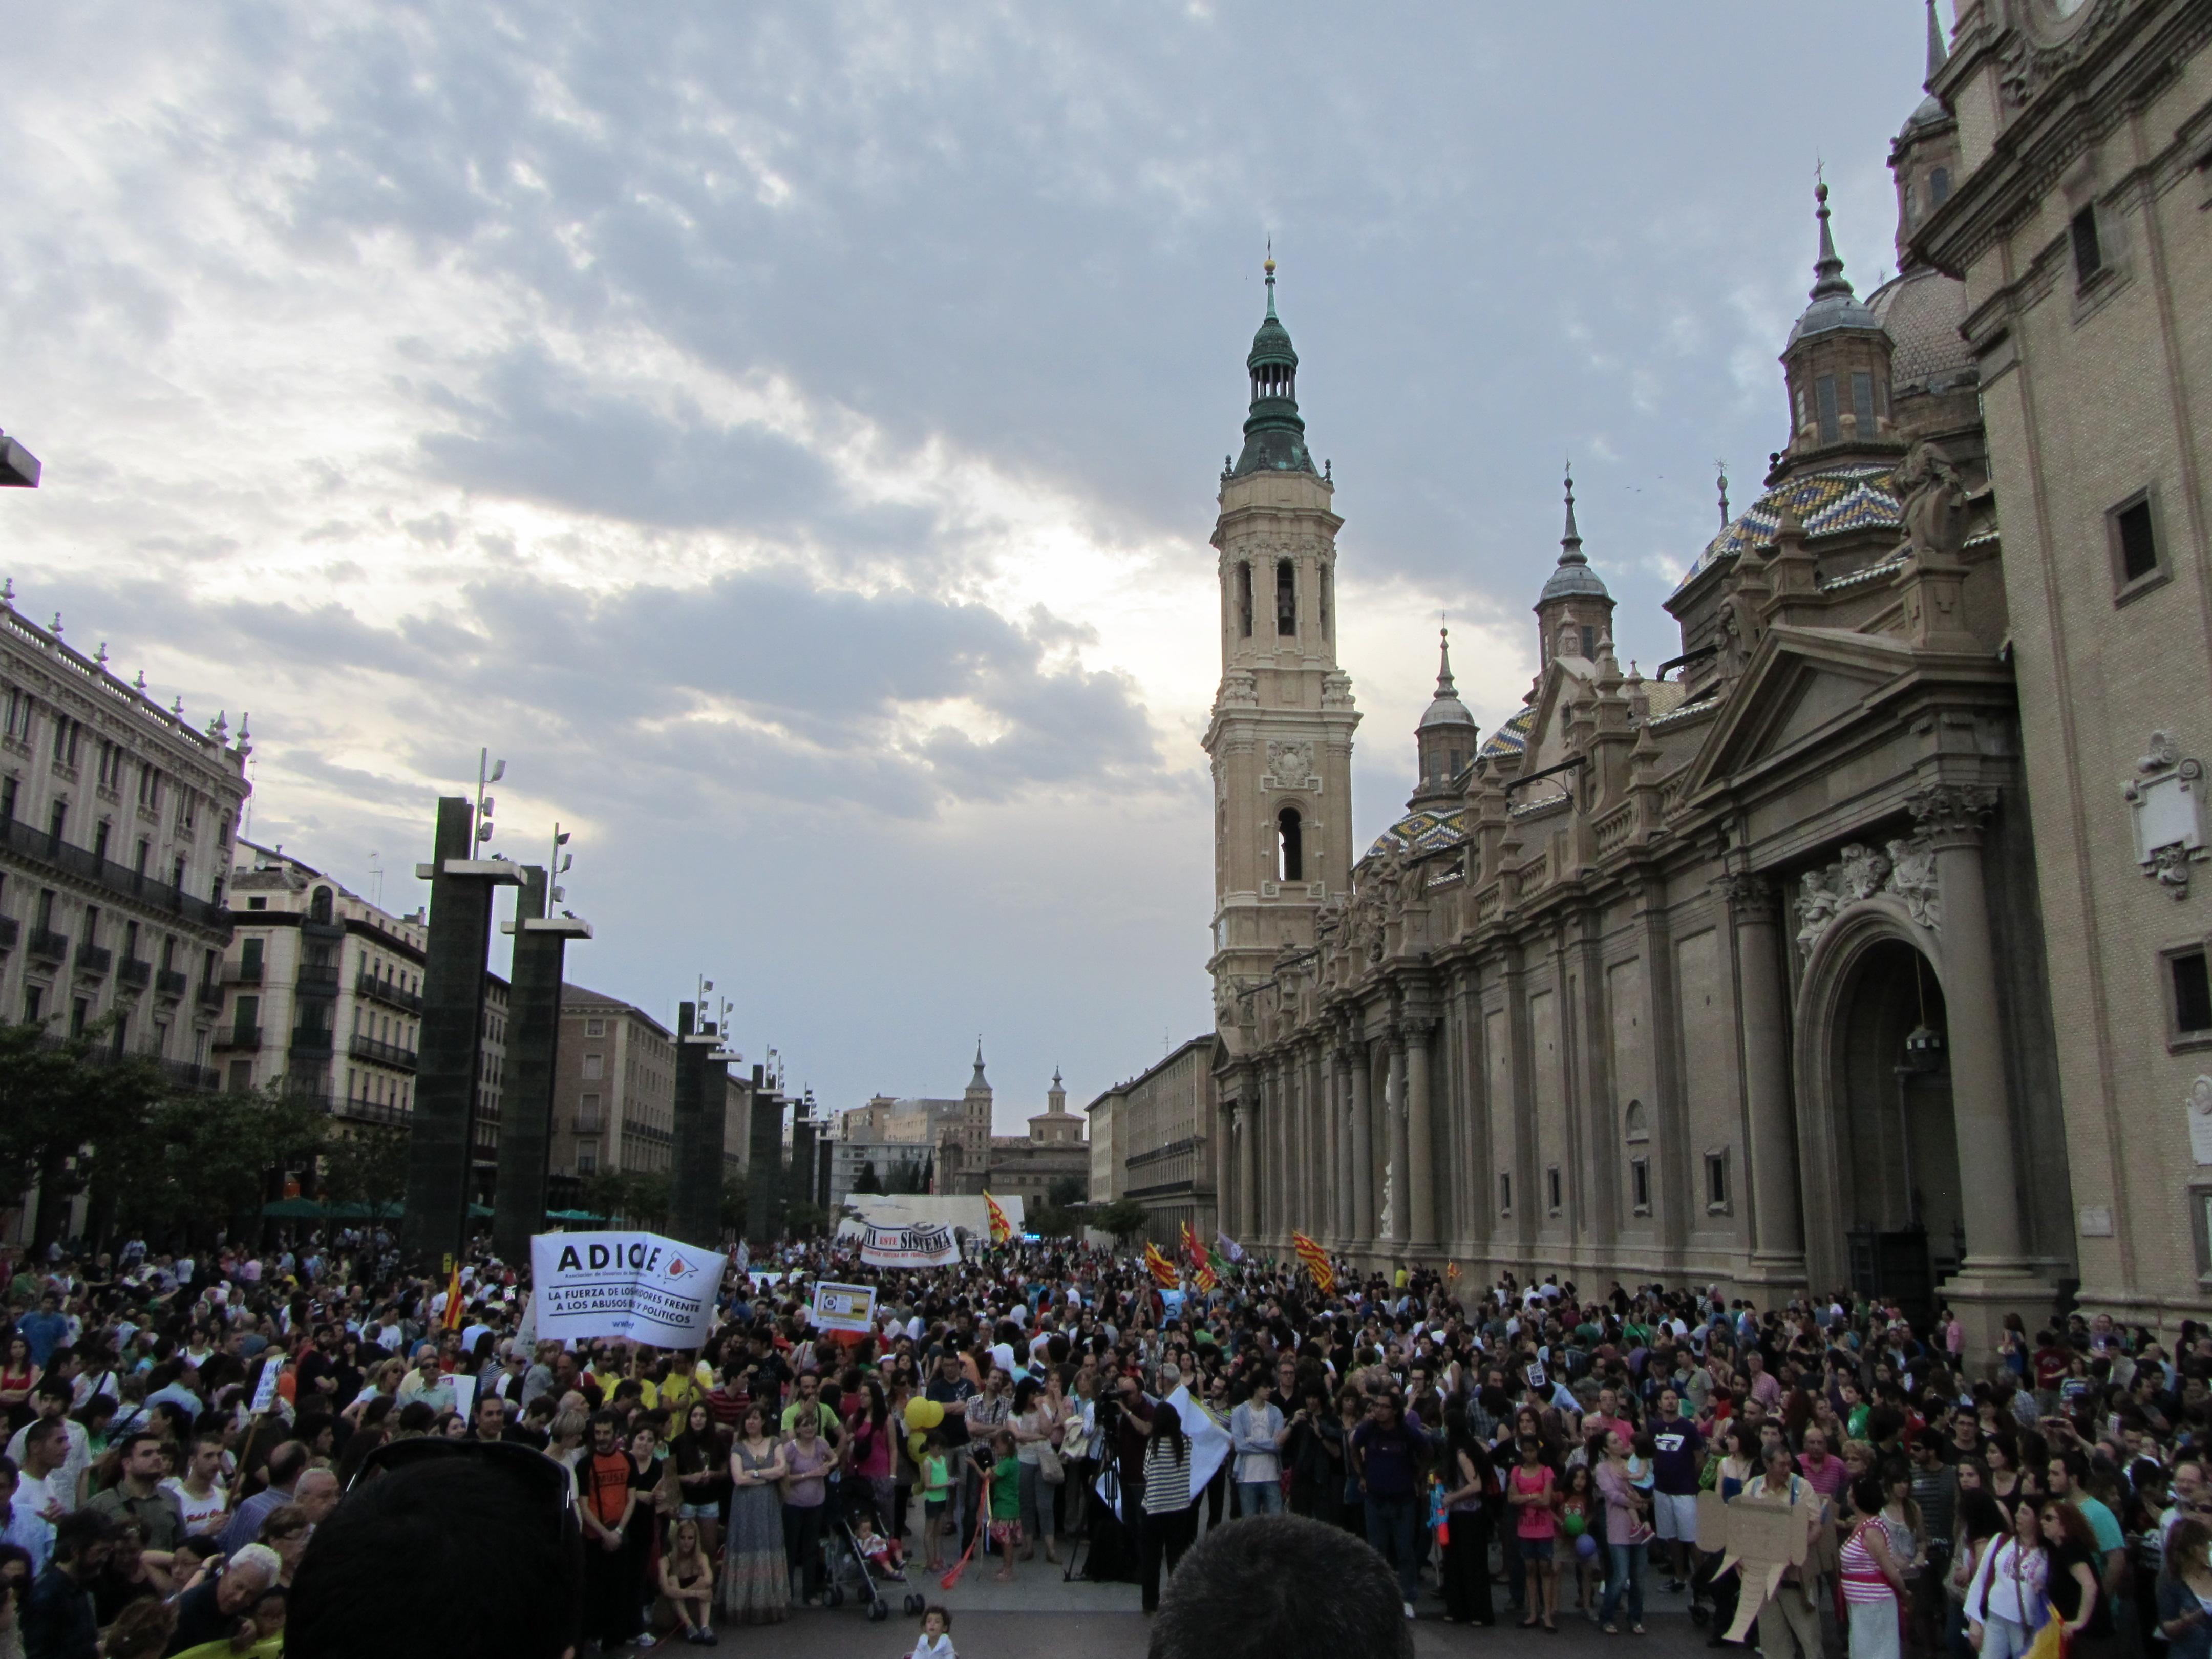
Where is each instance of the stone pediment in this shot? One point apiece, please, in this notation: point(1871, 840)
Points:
point(1799, 684)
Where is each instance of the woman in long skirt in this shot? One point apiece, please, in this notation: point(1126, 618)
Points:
point(756, 1573)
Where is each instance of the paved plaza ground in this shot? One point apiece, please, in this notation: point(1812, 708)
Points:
point(1039, 1615)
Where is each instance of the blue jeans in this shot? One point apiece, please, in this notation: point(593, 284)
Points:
point(1627, 1575)
point(1259, 1498)
point(1393, 1526)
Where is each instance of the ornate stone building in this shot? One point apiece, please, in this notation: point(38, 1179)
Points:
point(1742, 973)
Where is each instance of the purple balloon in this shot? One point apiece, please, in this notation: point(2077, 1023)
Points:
point(1586, 1546)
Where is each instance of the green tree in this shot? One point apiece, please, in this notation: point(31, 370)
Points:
point(1124, 1218)
point(1067, 1191)
point(866, 1182)
point(70, 1117)
point(201, 1161)
point(908, 1178)
point(806, 1220)
point(366, 1165)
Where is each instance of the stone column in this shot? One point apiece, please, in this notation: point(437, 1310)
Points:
point(1394, 1103)
point(1950, 816)
point(533, 1039)
point(1363, 1148)
point(1339, 1221)
point(1777, 1232)
point(1248, 1168)
point(1420, 1142)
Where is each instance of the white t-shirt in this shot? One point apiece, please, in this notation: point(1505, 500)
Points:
point(76, 1463)
point(201, 1514)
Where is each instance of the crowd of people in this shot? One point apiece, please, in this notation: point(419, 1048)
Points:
point(182, 1429)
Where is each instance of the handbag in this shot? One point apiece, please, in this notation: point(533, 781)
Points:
point(1050, 1469)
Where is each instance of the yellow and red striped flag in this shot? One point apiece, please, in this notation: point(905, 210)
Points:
point(454, 1307)
point(1315, 1260)
point(1163, 1270)
point(1001, 1229)
point(1202, 1270)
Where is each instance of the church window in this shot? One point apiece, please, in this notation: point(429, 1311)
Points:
point(1911, 207)
point(1717, 1181)
point(1286, 597)
point(1589, 642)
point(1452, 762)
point(1802, 415)
point(2191, 981)
point(1939, 186)
point(1823, 393)
point(1551, 1190)
point(1504, 1194)
point(2088, 250)
point(1639, 1185)
point(1290, 846)
point(1863, 402)
point(2135, 540)
point(1638, 1122)
point(1322, 595)
point(1244, 597)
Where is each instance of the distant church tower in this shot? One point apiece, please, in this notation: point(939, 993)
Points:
point(1280, 736)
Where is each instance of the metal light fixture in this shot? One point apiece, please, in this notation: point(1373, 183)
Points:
point(1924, 1046)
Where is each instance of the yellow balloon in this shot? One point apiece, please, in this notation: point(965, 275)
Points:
point(916, 1443)
point(924, 1414)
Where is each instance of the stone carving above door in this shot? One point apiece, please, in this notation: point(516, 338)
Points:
point(1904, 869)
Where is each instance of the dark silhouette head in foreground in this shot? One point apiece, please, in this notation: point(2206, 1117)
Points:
point(1281, 1587)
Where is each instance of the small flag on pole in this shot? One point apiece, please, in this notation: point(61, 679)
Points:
point(1315, 1262)
point(1202, 1271)
point(1001, 1229)
point(454, 1308)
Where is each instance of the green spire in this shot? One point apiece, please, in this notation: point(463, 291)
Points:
point(1275, 435)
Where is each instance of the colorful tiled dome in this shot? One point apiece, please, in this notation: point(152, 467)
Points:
point(1511, 737)
point(1423, 831)
point(1827, 503)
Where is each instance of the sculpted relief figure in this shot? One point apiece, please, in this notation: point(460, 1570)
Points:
point(1932, 503)
point(1913, 879)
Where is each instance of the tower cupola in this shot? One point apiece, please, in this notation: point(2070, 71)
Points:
point(1837, 363)
point(1445, 736)
point(1574, 612)
point(1274, 435)
point(1925, 157)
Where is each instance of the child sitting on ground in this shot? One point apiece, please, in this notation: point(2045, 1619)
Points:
point(936, 1641)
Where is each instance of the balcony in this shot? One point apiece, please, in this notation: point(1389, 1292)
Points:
point(134, 971)
point(317, 979)
point(148, 891)
point(239, 1036)
point(210, 994)
point(373, 1111)
point(202, 1079)
point(48, 945)
point(308, 1040)
point(384, 991)
point(591, 1123)
point(93, 961)
point(168, 982)
point(241, 973)
point(9, 928)
point(384, 1053)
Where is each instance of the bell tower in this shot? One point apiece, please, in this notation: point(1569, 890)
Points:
point(1280, 736)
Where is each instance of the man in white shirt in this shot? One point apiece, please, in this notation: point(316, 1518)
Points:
point(199, 1491)
point(1256, 1433)
point(53, 1402)
point(20, 1522)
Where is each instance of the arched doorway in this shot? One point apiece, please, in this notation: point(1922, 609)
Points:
point(1898, 1195)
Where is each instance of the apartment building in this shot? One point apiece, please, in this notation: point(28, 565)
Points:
point(116, 826)
point(614, 1088)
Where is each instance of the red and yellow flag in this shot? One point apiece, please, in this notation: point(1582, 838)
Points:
point(453, 1307)
point(1163, 1270)
point(1001, 1229)
point(1315, 1262)
point(1202, 1270)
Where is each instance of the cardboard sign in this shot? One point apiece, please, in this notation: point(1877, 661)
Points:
point(464, 1394)
point(264, 1388)
point(1760, 1537)
point(921, 1244)
point(845, 1308)
point(638, 1286)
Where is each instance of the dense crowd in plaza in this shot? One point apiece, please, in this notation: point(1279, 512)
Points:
point(1535, 1452)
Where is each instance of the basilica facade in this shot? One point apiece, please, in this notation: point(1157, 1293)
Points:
point(1763, 971)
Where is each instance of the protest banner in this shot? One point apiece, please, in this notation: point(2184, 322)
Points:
point(850, 1307)
point(638, 1286)
point(921, 1244)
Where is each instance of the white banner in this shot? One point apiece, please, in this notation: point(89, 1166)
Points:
point(638, 1286)
point(1209, 1448)
point(845, 1308)
point(924, 1244)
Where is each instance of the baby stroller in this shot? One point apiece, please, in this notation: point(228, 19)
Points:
point(848, 1567)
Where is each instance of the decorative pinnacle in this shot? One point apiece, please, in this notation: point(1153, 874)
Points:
point(1269, 267)
point(1828, 268)
point(1444, 686)
point(1937, 56)
point(1723, 481)
point(1570, 545)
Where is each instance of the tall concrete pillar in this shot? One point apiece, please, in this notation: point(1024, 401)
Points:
point(1394, 1104)
point(1950, 818)
point(443, 1127)
point(764, 1164)
point(533, 1038)
point(1363, 1148)
point(1420, 1142)
point(1778, 1228)
point(696, 1129)
point(1331, 1149)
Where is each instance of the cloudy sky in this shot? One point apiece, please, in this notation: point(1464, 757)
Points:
point(788, 433)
